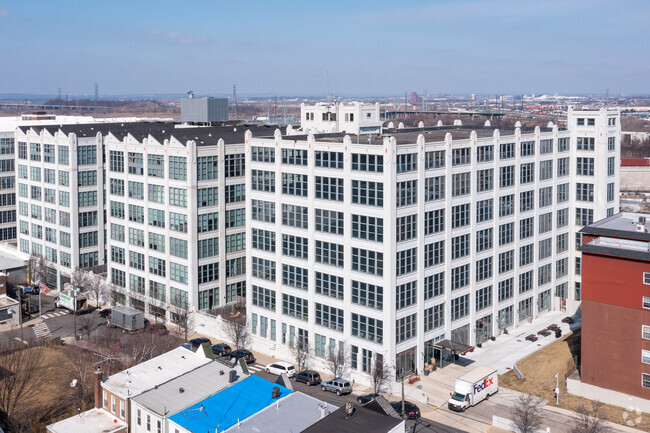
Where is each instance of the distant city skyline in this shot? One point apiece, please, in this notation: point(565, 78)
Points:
point(290, 48)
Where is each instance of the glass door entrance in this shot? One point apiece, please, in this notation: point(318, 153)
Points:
point(483, 329)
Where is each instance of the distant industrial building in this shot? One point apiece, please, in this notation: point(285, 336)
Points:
point(635, 175)
point(615, 356)
point(204, 111)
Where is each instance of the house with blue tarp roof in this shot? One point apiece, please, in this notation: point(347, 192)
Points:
point(230, 406)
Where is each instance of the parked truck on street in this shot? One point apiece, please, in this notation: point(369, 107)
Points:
point(127, 318)
point(67, 299)
point(474, 387)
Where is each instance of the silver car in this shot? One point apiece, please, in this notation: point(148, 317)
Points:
point(338, 385)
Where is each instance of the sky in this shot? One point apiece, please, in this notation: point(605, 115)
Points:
point(361, 47)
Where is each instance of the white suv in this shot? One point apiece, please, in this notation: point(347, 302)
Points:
point(280, 367)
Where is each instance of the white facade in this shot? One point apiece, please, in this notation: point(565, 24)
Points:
point(351, 118)
point(472, 236)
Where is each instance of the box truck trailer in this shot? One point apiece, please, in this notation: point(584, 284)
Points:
point(474, 387)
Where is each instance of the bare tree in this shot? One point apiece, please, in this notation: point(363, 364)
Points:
point(36, 269)
point(527, 414)
point(337, 360)
point(237, 331)
point(87, 323)
point(97, 288)
point(380, 373)
point(77, 281)
point(79, 367)
point(21, 369)
point(590, 419)
point(301, 352)
point(180, 312)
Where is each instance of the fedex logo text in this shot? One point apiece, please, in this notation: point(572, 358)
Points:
point(481, 386)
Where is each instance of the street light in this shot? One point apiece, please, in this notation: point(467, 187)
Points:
point(557, 389)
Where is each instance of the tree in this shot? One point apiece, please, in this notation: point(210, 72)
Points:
point(380, 373)
point(77, 281)
point(97, 288)
point(87, 323)
point(180, 312)
point(21, 369)
point(337, 360)
point(527, 413)
point(590, 419)
point(79, 367)
point(237, 331)
point(301, 352)
point(36, 269)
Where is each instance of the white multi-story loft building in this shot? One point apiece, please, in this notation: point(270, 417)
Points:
point(351, 118)
point(175, 216)
point(152, 202)
point(389, 248)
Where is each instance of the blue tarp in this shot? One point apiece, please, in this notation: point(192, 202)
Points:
point(225, 408)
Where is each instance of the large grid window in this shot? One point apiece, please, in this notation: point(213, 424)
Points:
point(484, 210)
point(368, 193)
point(434, 285)
point(406, 328)
point(263, 269)
point(235, 193)
point(406, 295)
point(294, 276)
point(459, 307)
point(585, 166)
point(294, 156)
point(434, 222)
point(545, 248)
point(434, 253)
point(234, 165)
point(460, 246)
point(527, 172)
point(546, 170)
point(585, 192)
point(370, 228)
point(484, 240)
point(263, 297)
point(563, 193)
point(484, 269)
point(434, 317)
point(461, 184)
point(156, 165)
point(585, 143)
point(294, 246)
point(483, 298)
point(460, 277)
point(460, 215)
point(294, 306)
point(526, 201)
point(506, 289)
point(263, 211)
point(506, 205)
point(562, 167)
point(208, 247)
point(434, 159)
point(584, 217)
point(485, 153)
point(366, 294)
point(263, 240)
point(485, 181)
point(461, 156)
point(262, 154)
point(178, 197)
point(295, 216)
point(329, 317)
point(506, 261)
point(294, 184)
point(329, 159)
point(363, 162)
point(116, 161)
point(526, 254)
point(406, 193)
point(329, 188)
point(546, 196)
point(367, 261)
point(545, 222)
point(367, 328)
point(507, 150)
point(235, 242)
point(525, 281)
point(330, 285)
point(526, 227)
point(178, 222)
point(329, 253)
point(406, 261)
point(207, 167)
point(207, 222)
point(434, 188)
point(262, 180)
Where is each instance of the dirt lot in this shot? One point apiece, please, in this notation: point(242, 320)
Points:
point(539, 370)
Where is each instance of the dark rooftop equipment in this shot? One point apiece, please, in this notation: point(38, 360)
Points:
point(204, 110)
point(275, 393)
point(233, 376)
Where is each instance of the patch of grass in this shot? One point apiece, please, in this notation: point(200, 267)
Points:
point(539, 370)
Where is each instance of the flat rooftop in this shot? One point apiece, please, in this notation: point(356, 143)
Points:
point(362, 420)
point(92, 421)
point(149, 374)
point(230, 406)
point(188, 389)
point(626, 225)
point(294, 413)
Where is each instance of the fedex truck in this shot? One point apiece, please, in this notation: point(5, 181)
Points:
point(474, 387)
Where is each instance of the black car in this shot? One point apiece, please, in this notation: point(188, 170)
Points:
point(242, 353)
point(30, 309)
point(411, 411)
point(196, 342)
point(308, 376)
point(221, 349)
point(105, 314)
point(363, 399)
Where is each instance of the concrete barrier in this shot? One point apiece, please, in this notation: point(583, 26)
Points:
point(608, 396)
point(506, 424)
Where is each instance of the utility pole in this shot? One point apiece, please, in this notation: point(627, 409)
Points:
point(74, 311)
point(557, 389)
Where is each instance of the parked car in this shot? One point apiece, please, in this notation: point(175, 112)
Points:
point(30, 309)
point(410, 410)
point(105, 313)
point(196, 342)
point(363, 399)
point(157, 328)
point(280, 367)
point(307, 376)
point(248, 356)
point(221, 349)
point(337, 385)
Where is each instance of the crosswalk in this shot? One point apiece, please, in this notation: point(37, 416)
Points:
point(255, 368)
point(41, 330)
point(55, 314)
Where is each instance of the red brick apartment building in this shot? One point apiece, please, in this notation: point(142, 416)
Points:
point(616, 304)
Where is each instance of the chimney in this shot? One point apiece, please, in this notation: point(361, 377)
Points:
point(98, 388)
point(275, 392)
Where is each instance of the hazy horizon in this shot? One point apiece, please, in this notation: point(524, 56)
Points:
point(487, 47)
